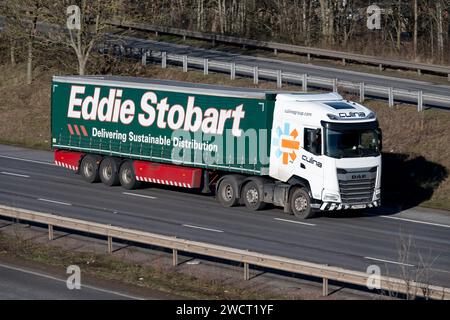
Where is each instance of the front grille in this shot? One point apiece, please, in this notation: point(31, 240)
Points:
point(357, 186)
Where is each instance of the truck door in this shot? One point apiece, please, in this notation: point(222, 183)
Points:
point(311, 159)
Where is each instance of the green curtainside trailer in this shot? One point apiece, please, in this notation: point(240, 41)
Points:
point(164, 121)
point(303, 152)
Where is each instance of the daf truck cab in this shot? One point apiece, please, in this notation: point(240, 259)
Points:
point(328, 147)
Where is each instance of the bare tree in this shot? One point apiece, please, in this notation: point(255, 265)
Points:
point(22, 18)
point(94, 15)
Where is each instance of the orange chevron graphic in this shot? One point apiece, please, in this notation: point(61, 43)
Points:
point(290, 144)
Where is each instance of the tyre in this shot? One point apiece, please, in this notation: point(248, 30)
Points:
point(300, 203)
point(127, 177)
point(89, 168)
point(227, 193)
point(109, 171)
point(252, 196)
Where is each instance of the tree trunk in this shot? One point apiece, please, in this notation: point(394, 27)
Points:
point(30, 61)
point(13, 53)
point(440, 29)
point(415, 28)
point(399, 25)
point(81, 66)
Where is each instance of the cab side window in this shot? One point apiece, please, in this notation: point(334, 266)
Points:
point(313, 141)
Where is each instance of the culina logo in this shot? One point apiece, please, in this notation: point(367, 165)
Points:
point(286, 143)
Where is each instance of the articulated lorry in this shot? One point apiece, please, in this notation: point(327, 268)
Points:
point(303, 152)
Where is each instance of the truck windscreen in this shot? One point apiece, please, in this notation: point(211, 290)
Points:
point(348, 142)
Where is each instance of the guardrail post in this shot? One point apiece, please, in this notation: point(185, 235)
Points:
point(185, 64)
point(419, 72)
point(110, 244)
point(309, 56)
point(275, 51)
point(279, 79)
point(205, 66)
point(184, 37)
point(325, 287)
point(335, 85)
point(391, 97)
point(362, 92)
point(50, 232)
point(305, 82)
point(174, 257)
point(144, 58)
point(448, 76)
point(164, 60)
point(380, 67)
point(419, 101)
point(156, 34)
point(246, 271)
point(233, 70)
point(255, 75)
point(344, 62)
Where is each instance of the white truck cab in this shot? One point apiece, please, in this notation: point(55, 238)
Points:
point(330, 146)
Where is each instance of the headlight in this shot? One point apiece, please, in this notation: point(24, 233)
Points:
point(331, 197)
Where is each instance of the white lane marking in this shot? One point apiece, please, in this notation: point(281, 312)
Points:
point(14, 174)
point(416, 221)
point(138, 195)
point(298, 222)
point(28, 160)
point(37, 274)
point(56, 202)
point(389, 261)
point(201, 228)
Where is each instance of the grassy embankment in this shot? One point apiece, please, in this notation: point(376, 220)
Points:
point(416, 145)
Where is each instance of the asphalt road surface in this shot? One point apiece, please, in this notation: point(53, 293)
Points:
point(18, 283)
point(28, 179)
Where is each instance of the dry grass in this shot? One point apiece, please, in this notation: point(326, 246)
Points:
point(416, 145)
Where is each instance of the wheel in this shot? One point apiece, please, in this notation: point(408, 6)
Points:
point(127, 177)
point(227, 192)
point(89, 168)
point(300, 203)
point(253, 197)
point(109, 171)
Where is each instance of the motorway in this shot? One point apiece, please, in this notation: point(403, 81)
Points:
point(294, 67)
point(28, 179)
point(17, 283)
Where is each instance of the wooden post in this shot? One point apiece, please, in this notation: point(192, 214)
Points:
point(144, 58)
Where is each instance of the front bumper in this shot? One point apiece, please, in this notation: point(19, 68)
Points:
point(331, 206)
